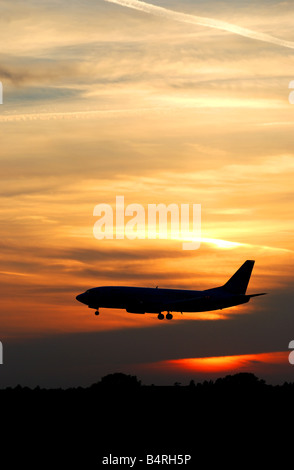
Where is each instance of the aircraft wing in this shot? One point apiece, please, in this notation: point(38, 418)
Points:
point(165, 306)
point(141, 306)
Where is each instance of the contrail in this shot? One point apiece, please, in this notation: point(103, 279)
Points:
point(201, 20)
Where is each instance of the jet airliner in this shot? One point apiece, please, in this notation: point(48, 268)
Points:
point(154, 300)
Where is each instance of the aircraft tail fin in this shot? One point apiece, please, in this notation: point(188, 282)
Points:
point(238, 283)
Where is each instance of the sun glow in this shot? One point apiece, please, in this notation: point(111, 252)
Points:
point(227, 363)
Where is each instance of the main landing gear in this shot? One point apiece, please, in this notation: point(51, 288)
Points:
point(168, 316)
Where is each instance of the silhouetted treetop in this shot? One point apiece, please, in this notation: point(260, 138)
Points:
point(242, 380)
point(119, 379)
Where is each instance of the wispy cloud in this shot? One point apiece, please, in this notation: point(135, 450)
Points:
point(202, 21)
point(36, 72)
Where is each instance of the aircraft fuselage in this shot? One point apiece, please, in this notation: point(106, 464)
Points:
point(154, 300)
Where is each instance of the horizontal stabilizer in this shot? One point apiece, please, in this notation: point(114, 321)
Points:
point(256, 295)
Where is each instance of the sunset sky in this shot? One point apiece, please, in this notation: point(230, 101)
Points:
point(102, 100)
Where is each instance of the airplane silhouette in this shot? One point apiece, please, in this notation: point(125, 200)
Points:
point(153, 300)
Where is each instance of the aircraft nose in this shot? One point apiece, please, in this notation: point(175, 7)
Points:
point(82, 298)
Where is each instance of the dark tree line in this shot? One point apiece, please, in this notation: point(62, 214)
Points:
point(241, 381)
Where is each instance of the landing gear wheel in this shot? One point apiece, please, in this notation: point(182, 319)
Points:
point(97, 312)
point(160, 316)
point(169, 316)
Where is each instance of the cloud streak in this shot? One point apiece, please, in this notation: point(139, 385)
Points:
point(202, 21)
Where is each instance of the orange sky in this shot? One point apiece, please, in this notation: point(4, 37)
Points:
point(102, 101)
